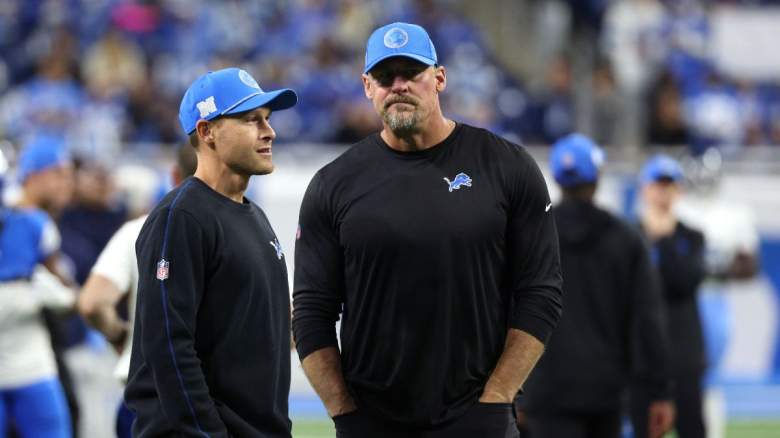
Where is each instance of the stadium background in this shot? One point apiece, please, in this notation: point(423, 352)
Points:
point(640, 76)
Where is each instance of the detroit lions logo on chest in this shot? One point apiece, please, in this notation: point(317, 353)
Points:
point(459, 181)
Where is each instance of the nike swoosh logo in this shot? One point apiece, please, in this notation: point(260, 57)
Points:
point(549, 206)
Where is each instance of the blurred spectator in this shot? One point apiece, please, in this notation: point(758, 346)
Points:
point(551, 115)
point(359, 120)
point(685, 35)
point(86, 225)
point(356, 22)
point(93, 217)
point(713, 115)
point(607, 105)
point(50, 101)
point(666, 123)
point(631, 41)
point(678, 255)
point(113, 65)
point(751, 107)
point(45, 172)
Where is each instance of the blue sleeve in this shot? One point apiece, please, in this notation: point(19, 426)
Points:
point(171, 250)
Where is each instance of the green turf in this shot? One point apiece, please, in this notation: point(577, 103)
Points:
point(753, 429)
point(313, 428)
point(737, 429)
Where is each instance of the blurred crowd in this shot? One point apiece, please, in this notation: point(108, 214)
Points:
point(104, 73)
point(649, 65)
point(107, 73)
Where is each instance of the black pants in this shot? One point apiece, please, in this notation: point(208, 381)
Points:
point(573, 424)
point(688, 400)
point(483, 420)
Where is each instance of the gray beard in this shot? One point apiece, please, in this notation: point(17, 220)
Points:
point(403, 124)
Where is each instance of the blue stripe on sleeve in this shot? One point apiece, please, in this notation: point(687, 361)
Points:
point(165, 309)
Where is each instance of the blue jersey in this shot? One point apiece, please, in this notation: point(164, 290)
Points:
point(27, 238)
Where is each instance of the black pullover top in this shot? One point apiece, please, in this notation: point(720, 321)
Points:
point(680, 261)
point(430, 256)
point(211, 351)
point(613, 330)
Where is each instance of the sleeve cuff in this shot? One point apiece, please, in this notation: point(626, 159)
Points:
point(534, 325)
point(313, 342)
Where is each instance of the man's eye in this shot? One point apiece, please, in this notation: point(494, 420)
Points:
point(410, 73)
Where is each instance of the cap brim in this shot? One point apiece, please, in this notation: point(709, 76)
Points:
point(423, 59)
point(276, 100)
point(665, 177)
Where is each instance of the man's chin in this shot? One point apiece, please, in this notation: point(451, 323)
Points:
point(265, 170)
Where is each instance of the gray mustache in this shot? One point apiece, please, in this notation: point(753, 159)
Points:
point(400, 100)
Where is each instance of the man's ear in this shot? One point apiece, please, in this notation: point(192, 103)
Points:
point(367, 86)
point(441, 78)
point(205, 130)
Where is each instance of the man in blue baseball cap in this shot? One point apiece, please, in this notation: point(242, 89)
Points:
point(45, 171)
point(210, 355)
point(36, 392)
point(678, 255)
point(434, 241)
point(611, 332)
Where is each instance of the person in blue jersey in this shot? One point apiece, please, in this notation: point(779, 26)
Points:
point(433, 241)
point(32, 399)
point(678, 254)
point(210, 354)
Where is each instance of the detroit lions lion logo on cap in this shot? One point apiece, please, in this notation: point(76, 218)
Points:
point(396, 38)
point(247, 79)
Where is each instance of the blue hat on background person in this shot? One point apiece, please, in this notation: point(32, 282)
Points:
point(228, 91)
point(399, 39)
point(576, 159)
point(661, 167)
point(42, 152)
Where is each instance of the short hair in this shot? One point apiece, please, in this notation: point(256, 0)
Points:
point(194, 139)
point(186, 159)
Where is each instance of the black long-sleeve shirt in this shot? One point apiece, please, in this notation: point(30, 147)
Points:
point(431, 257)
point(212, 332)
point(613, 330)
point(679, 258)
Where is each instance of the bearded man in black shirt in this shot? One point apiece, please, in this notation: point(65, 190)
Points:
point(434, 241)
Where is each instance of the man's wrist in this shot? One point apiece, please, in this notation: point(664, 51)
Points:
point(117, 334)
point(344, 405)
point(494, 396)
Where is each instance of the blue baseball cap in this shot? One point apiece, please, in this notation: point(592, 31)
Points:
point(661, 167)
point(576, 159)
point(228, 91)
point(399, 39)
point(40, 153)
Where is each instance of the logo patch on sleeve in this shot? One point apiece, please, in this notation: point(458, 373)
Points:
point(278, 248)
point(162, 269)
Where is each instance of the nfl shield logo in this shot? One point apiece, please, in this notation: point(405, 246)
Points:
point(162, 269)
